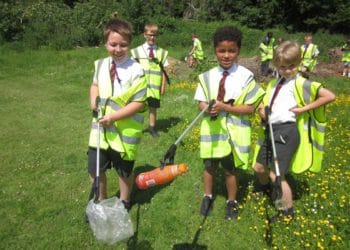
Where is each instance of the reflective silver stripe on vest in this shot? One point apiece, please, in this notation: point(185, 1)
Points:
point(139, 94)
point(318, 146)
point(103, 101)
point(238, 122)
point(251, 94)
point(212, 138)
point(153, 86)
point(306, 91)
point(319, 127)
point(260, 142)
point(136, 117)
point(94, 126)
point(155, 72)
point(242, 149)
point(124, 138)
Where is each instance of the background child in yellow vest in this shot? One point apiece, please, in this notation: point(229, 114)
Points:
point(287, 109)
point(196, 51)
point(346, 58)
point(129, 74)
point(225, 130)
point(153, 59)
point(309, 54)
point(266, 53)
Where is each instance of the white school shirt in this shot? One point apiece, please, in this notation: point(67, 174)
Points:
point(146, 48)
point(283, 102)
point(239, 77)
point(128, 70)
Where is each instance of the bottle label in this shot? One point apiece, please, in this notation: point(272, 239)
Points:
point(151, 182)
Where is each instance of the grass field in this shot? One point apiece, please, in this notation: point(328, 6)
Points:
point(44, 183)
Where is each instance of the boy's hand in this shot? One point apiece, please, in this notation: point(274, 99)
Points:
point(296, 110)
point(106, 121)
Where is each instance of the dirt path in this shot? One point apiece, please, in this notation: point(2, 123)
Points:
point(180, 70)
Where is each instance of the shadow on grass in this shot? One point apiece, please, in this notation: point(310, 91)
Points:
point(165, 124)
point(193, 245)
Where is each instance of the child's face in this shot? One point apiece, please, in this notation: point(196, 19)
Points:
point(151, 37)
point(227, 53)
point(117, 46)
point(288, 71)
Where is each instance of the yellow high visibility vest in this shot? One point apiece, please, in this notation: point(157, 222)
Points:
point(152, 69)
point(346, 53)
point(198, 51)
point(266, 51)
point(228, 133)
point(311, 126)
point(124, 135)
point(309, 57)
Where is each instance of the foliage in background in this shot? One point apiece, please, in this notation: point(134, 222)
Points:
point(69, 23)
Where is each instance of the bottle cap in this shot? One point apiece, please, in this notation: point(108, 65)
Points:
point(182, 167)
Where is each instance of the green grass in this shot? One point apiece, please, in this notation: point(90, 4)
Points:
point(44, 182)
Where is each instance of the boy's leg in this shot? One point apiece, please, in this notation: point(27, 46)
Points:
point(231, 203)
point(104, 164)
point(208, 176)
point(262, 173)
point(152, 122)
point(125, 186)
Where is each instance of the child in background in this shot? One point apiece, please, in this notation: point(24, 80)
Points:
point(196, 52)
point(346, 58)
point(309, 54)
point(225, 130)
point(153, 60)
point(297, 116)
point(266, 48)
point(120, 84)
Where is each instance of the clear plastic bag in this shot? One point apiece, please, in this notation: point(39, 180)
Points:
point(109, 220)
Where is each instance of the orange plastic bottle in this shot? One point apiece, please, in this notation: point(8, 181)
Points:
point(159, 176)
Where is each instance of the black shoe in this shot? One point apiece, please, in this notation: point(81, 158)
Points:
point(153, 132)
point(206, 206)
point(285, 216)
point(127, 204)
point(231, 210)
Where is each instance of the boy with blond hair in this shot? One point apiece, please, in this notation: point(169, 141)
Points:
point(153, 60)
point(297, 114)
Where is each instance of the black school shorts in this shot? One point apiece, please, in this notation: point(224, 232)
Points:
point(109, 158)
point(287, 139)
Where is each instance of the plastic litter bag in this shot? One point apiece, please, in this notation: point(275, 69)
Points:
point(109, 220)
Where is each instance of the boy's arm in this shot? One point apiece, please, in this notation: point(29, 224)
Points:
point(324, 97)
point(93, 94)
point(127, 111)
point(164, 81)
point(242, 109)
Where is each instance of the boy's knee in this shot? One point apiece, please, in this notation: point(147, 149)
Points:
point(259, 168)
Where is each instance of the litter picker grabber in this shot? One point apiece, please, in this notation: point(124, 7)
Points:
point(277, 188)
point(170, 153)
point(96, 184)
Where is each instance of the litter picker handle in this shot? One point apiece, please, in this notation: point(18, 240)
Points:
point(170, 154)
point(267, 115)
point(97, 178)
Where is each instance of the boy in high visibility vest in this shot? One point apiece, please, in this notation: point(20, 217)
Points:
point(119, 82)
point(196, 52)
point(309, 54)
point(153, 60)
point(346, 58)
point(226, 127)
point(266, 53)
point(297, 115)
